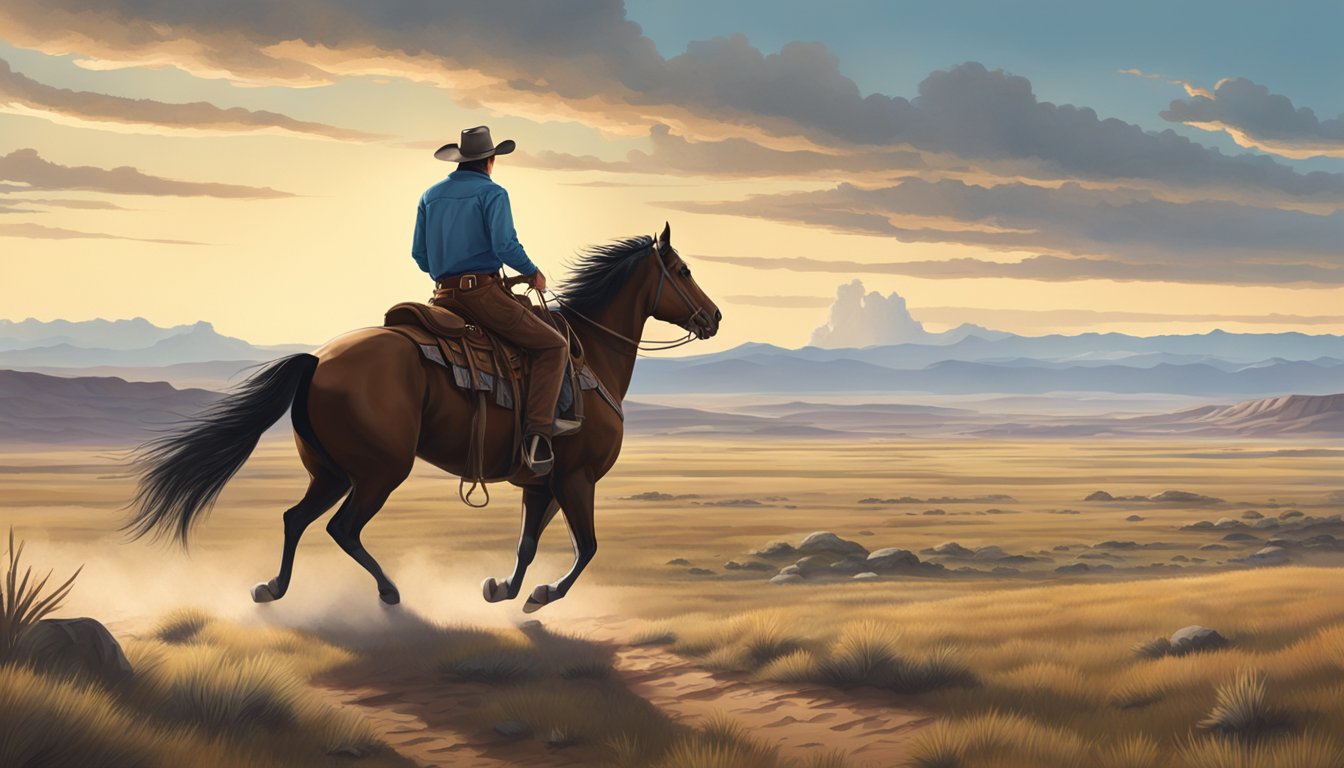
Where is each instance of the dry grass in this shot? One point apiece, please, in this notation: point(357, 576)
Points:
point(24, 600)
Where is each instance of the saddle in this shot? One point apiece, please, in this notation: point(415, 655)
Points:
point(491, 368)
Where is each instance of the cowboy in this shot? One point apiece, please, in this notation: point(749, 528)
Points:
point(463, 237)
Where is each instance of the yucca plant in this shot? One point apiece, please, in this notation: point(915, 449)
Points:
point(24, 600)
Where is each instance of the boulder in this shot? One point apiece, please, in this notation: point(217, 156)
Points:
point(1251, 514)
point(1133, 518)
point(1239, 537)
point(1073, 568)
point(81, 647)
point(850, 566)
point(892, 558)
point(1227, 522)
point(700, 572)
point(990, 552)
point(1266, 524)
point(790, 570)
point(951, 549)
point(786, 578)
point(750, 565)
point(1099, 496)
point(1270, 554)
point(1196, 639)
point(776, 549)
point(1289, 514)
point(825, 541)
point(865, 576)
point(813, 564)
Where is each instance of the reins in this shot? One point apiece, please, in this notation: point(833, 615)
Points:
point(639, 344)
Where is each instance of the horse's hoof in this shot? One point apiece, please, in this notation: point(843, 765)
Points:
point(262, 593)
point(539, 598)
point(390, 597)
point(493, 590)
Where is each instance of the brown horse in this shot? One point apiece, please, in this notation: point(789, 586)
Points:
point(365, 405)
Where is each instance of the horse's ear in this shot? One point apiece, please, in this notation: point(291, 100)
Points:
point(666, 238)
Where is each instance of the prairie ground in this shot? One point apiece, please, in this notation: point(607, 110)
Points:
point(1001, 657)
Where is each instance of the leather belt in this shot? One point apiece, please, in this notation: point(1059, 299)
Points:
point(466, 281)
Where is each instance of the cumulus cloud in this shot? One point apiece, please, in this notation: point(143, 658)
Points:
point(1256, 118)
point(28, 168)
point(585, 60)
point(865, 319)
point(1116, 234)
point(22, 95)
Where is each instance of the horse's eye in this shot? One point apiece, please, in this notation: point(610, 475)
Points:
point(685, 271)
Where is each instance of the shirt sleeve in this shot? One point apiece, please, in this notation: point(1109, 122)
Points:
point(418, 251)
point(503, 238)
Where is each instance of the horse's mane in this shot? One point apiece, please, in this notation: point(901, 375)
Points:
point(601, 271)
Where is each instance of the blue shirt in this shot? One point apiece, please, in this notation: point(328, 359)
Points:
point(464, 224)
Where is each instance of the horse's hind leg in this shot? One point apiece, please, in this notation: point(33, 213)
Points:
point(324, 490)
point(346, 525)
point(575, 494)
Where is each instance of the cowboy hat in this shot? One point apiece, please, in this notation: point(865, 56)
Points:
point(476, 144)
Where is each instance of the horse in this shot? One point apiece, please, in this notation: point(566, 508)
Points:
point(364, 406)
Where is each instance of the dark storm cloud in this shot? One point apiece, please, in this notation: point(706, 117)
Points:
point(27, 167)
point(586, 59)
point(1254, 117)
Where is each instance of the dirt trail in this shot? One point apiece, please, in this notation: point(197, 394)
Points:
point(431, 724)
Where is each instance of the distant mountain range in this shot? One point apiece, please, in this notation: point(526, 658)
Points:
point(124, 343)
point(104, 411)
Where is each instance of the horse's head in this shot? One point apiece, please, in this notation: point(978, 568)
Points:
point(678, 299)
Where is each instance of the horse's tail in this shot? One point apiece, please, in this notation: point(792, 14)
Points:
point(182, 471)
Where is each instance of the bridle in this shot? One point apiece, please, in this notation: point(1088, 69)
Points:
point(664, 278)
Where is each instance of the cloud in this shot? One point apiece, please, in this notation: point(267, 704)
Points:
point(1079, 232)
point(16, 204)
point(41, 232)
point(21, 95)
point(860, 319)
point(586, 61)
point(1054, 318)
point(26, 167)
point(1136, 72)
point(1256, 118)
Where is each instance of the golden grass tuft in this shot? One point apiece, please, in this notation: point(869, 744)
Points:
point(1242, 710)
point(1308, 750)
point(182, 625)
point(999, 738)
point(1135, 752)
point(24, 600)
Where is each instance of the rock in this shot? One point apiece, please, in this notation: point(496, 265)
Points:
point(1196, 639)
point(1180, 559)
point(1289, 514)
point(750, 565)
point(892, 558)
point(865, 576)
point(1239, 537)
point(1184, 497)
point(790, 570)
point(1073, 568)
point(1153, 649)
point(1271, 553)
point(990, 552)
point(825, 541)
point(1321, 541)
point(813, 564)
point(1227, 522)
point(865, 533)
point(776, 549)
point(1251, 514)
point(678, 561)
point(1099, 496)
point(1266, 524)
point(935, 512)
point(1003, 570)
point(1133, 518)
point(1116, 545)
point(513, 729)
point(1214, 547)
point(950, 549)
point(1062, 547)
point(80, 647)
point(786, 578)
point(849, 566)
point(700, 572)
point(1202, 525)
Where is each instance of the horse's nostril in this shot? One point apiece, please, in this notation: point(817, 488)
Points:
point(718, 315)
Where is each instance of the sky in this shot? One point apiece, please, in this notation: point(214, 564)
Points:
point(1042, 167)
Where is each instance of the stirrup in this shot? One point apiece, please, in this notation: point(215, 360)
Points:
point(531, 444)
point(566, 427)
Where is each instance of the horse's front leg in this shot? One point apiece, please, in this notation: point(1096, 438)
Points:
point(539, 506)
point(575, 494)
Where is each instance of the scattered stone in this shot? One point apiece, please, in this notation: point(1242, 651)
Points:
point(1099, 496)
point(1239, 537)
point(1196, 639)
point(849, 566)
point(73, 647)
point(786, 578)
point(1251, 514)
point(990, 552)
point(700, 572)
point(513, 729)
point(790, 570)
point(1116, 545)
point(812, 564)
point(935, 512)
point(1266, 524)
point(776, 549)
point(1270, 554)
point(865, 533)
point(1321, 541)
point(1184, 497)
point(1180, 559)
point(1073, 568)
point(825, 541)
point(1202, 525)
point(1062, 547)
point(949, 549)
point(865, 576)
point(1133, 518)
point(1214, 547)
point(1100, 556)
point(678, 561)
point(1003, 570)
point(1227, 522)
point(750, 565)
point(892, 558)
point(1288, 514)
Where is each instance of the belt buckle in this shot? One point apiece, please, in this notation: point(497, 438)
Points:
point(466, 282)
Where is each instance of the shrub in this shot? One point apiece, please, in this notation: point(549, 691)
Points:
point(1242, 711)
point(24, 601)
